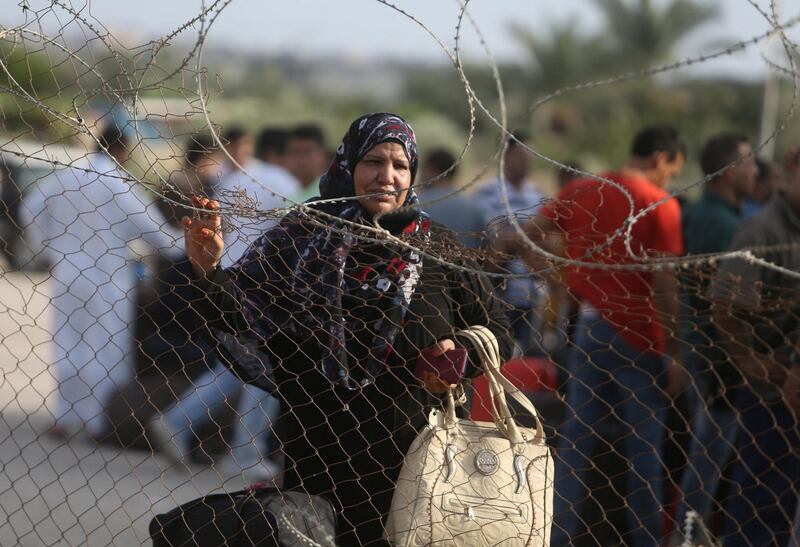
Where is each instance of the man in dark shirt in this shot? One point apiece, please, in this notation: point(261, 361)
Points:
point(710, 222)
point(443, 201)
point(709, 225)
point(755, 307)
point(768, 181)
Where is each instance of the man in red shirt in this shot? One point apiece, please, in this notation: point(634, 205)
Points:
point(613, 229)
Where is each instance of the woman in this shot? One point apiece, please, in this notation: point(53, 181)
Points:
point(343, 320)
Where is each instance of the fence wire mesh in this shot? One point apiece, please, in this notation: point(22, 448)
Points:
point(178, 323)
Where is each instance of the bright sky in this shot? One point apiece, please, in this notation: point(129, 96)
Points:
point(367, 28)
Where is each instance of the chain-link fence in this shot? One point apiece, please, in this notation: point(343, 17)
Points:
point(178, 323)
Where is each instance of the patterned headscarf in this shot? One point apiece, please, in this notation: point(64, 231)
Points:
point(362, 136)
point(304, 283)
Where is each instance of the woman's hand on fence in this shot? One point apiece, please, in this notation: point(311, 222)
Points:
point(203, 235)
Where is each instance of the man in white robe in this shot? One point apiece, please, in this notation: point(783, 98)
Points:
point(87, 217)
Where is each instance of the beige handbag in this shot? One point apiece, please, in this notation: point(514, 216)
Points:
point(476, 483)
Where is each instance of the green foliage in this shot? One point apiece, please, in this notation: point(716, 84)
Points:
point(28, 69)
point(643, 34)
point(595, 125)
point(28, 77)
point(564, 56)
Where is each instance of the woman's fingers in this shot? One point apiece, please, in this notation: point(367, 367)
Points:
point(204, 243)
point(200, 202)
point(434, 384)
point(196, 227)
point(210, 204)
point(203, 220)
point(201, 229)
point(443, 346)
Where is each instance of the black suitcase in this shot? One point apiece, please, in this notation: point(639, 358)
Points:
point(263, 517)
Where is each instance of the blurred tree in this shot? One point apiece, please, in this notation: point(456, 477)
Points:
point(28, 69)
point(29, 77)
point(643, 34)
point(440, 90)
point(564, 56)
point(636, 34)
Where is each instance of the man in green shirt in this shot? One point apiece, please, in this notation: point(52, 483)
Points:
point(709, 225)
point(757, 314)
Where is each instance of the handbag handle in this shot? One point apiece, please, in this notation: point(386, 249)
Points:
point(486, 346)
point(485, 343)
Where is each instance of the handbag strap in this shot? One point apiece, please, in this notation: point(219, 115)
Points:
point(489, 353)
point(485, 343)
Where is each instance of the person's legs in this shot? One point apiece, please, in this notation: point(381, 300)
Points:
point(762, 504)
point(198, 405)
point(589, 400)
point(71, 353)
point(110, 339)
point(84, 376)
point(109, 313)
point(256, 415)
point(714, 432)
point(643, 411)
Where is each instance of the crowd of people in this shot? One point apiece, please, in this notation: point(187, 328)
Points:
point(313, 330)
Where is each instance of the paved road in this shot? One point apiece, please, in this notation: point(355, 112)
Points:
point(55, 492)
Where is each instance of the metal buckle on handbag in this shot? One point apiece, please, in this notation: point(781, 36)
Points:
point(486, 462)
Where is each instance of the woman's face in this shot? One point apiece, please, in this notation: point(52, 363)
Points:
point(385, 168)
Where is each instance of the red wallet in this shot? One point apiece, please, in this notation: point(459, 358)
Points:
point(448, 366)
